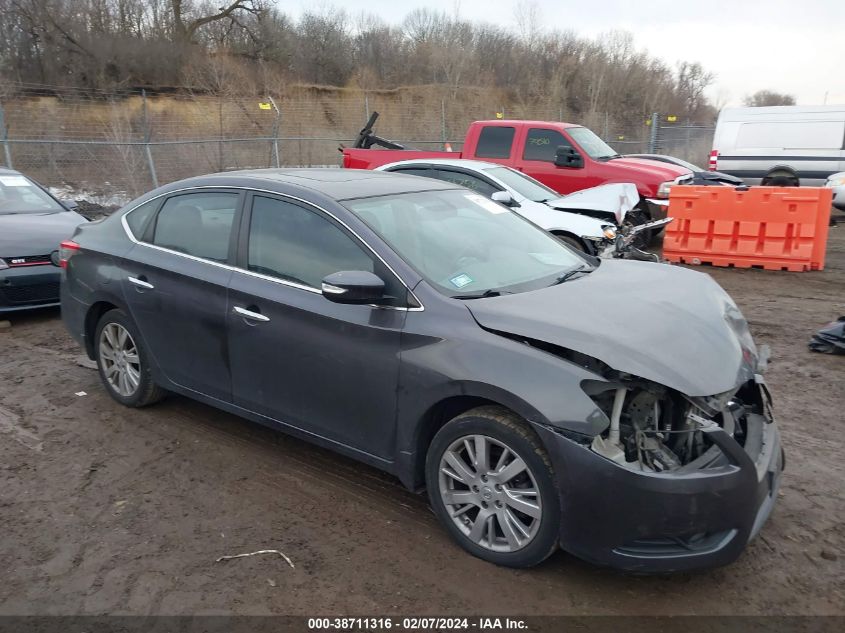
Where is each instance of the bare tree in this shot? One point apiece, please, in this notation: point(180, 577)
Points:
point(763, 98)
point(185, 28)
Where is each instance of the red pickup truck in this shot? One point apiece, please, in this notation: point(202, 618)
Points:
point(562, 156)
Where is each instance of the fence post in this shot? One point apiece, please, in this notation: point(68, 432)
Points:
point(652, 139)
point(276, 123)
point(4, 133)
point(443, 123)
point(147, 134)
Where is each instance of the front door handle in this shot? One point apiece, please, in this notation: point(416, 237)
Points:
point(249, 314)
point(141, 283)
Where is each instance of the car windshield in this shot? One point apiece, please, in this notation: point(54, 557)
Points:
point(18, 194)
point(466, 245)
point(591, 143)
point(523, 185)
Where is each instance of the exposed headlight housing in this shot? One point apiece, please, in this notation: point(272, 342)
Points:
point(663, 189)
point(3, 264)
point(609, 231)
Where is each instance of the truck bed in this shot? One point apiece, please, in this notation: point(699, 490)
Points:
point(354, 158)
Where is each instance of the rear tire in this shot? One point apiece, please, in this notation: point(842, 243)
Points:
point(122, 361)
point(491, 485)
point(780, 178)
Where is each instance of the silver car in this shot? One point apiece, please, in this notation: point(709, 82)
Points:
point(837, 183)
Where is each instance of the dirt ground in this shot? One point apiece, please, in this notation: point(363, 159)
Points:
point(110, 510)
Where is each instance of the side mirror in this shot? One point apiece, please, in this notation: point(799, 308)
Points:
point(568, 157)
point(353, 286)
point(503, 197)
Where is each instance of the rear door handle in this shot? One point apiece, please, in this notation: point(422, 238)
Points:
point(141, 283)
point(249, 314)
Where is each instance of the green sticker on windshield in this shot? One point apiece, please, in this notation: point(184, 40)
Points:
point(461, 280)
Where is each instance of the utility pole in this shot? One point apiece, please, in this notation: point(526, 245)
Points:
point(4, 135)
point(652, 140)
point(147, 135)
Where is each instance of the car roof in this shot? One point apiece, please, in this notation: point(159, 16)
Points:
point(543, 124)
point(332, 182)
point(454, 162)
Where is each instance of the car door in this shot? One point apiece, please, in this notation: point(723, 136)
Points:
point(538, 160)
point(296, 357)
point(175, 283)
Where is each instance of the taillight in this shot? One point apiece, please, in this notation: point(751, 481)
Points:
point(714, 155)
point(67, 249)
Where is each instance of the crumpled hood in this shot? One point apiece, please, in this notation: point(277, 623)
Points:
point(35, 233)
point(671, 325)
point(616, 198)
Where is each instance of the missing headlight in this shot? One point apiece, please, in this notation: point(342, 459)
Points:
point(652, 428)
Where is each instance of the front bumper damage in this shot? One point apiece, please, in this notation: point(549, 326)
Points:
point(699, 515)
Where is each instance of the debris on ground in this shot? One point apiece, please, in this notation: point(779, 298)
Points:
point(261, 551)
point(81, 393)
point(830, 339)
point(5, 325)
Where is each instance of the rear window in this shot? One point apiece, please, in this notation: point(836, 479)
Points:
point(495, 142)
point(198, 224)
point(138, 218)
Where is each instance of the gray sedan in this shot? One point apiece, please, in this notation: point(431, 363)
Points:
point(542, 397)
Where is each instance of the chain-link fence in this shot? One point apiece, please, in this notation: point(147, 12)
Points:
point(120, 145)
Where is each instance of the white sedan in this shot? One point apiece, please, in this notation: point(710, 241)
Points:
point(837, 183)
point(569, 217)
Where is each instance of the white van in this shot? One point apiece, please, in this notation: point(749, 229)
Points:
point(782, 145)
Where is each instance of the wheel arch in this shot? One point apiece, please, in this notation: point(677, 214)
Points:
point(783, 168)
point(585, 245)
point(96, 310)
point(411, 458)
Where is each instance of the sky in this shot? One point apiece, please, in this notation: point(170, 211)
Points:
point(792, 46)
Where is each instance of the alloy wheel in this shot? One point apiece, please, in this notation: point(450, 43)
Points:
point(490, 493)
point(119, 359)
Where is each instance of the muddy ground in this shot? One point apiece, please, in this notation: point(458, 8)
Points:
point(110, 510)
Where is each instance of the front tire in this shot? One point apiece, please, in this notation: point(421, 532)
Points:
point(572, 242)
point(491, 485)
point(122, 361)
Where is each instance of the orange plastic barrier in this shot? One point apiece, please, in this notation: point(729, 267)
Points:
point(776, 228)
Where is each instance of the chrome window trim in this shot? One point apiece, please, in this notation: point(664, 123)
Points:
point(283, 282)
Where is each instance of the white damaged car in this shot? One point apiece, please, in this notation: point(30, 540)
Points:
point(587, 220)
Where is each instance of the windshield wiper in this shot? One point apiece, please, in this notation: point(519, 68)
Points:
point(482, 295)
point(611, 157)
point(583, 268)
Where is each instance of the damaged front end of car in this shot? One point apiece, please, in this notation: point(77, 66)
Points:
point(656, 429)
point(672, 481)
point(677, 464)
